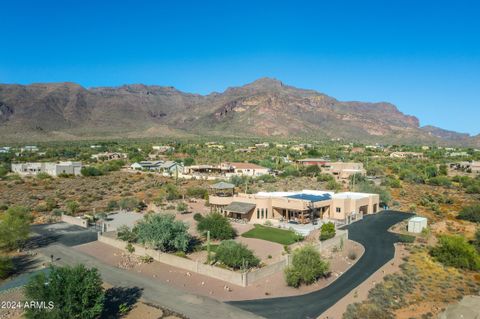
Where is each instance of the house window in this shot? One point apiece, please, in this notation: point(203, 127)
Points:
point(262, 213)
point(266, 212)
point(338, 210)
point(258, 213)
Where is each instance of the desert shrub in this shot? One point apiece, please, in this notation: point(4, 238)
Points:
point(235, 255)
point(407, 239)
point(14, 227)
point(6, 266)
point(76, 292)
point(126, 234)
point(324, 177)
point(43, 175)
point(366, 310)
point(333, 185)
point(72, 207)
point(90, 171)
point(307, 266)
point(112, 205)
point(456, 252)
point(470, 213)
point(163, 232)
point(130, 248)
point(218, 225)
point(327, 231)
point(197, 217)
point(182, 207)
point(128, 203)
point(366, 187)
point(352, 255)
point(197, 192)
point(172, 191)
point(440, 181)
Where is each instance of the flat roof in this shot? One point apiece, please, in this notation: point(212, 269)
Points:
point(351, 195)
point(418, 219)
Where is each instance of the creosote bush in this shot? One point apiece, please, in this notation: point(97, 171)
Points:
point(218, 225)
point(235, 255)
point(307, 266)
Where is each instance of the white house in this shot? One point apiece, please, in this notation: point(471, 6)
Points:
point(53, 169)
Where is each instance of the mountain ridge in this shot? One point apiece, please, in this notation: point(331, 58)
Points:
point(265, 107)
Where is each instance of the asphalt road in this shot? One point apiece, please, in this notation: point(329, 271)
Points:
point(372, 233)
point(60, 233)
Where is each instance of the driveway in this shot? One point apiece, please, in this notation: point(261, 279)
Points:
point(60, 233)
point(372, 233)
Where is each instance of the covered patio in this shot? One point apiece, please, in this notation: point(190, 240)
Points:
point(239, 211)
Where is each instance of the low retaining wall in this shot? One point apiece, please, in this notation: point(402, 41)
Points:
point(237, 278)
point(233, 277)
point(75, 221)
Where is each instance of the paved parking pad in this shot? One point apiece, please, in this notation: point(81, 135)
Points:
point(60, 233)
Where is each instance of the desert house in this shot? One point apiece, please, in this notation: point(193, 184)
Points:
point(159, 166)
point(53, 169)
point(307, 206)
point(406, 155)
point(342, 171)
point(108, 156)
point(227, 169)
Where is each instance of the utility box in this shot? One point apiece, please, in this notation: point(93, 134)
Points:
point(417, 224)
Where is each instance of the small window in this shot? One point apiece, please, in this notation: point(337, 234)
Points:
point(339, 210)
point(262, 213)
point(258, 213)
point(266, 212)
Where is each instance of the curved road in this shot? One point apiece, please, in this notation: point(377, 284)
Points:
point(372, 233)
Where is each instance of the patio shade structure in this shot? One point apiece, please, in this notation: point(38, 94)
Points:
point(223, 189)
point(239, 208)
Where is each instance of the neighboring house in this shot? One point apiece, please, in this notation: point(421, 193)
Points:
point(160, 166)
point(227, 169)
point(406, 155)
point(4, 150)
point(458, 154)
point(29, 148)
point(246, 169)
point(163, 148)
point(109, 156)
point(340, 170)
point(303, 206)
point(470, 167)
point(53, 169)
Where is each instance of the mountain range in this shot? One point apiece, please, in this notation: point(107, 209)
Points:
point(263, 108)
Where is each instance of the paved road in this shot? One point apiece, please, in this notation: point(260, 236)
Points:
point(63, 233)
point(372, 233)
point(190, 305)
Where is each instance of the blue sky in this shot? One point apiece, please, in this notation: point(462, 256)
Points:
point(423, 56)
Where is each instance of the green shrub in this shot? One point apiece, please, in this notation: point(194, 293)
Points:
point(6, 266)
point(307, 266)
point(197, 192)
point(408, 239)
point(130, 248)
point(236, 255)
point(218, 225)
point(455, 251)
point(90, 171)
point(182, 207)
point(76, 292)
point(43, 175)
point(126, 234)
point(163, 232)
point(14, 227)
point(470, 213)
point(440, 181)
point(197, 217)
point(327, 231)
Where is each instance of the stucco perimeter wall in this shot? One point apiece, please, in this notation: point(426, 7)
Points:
point(236, 278)
point(75, 221)
point(232, 277)
point(341, 235)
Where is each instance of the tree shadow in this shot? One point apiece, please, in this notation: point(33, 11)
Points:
point(23, 264)
point(117, 296)
point(39, 241)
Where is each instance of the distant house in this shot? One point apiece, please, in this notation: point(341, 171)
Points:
point(340, 170)
point(53, 169)
point(247, 169)
point(406, 155)
point(163, 148)
point(29, 148)
point(4, 149)
point(159, 166)
point(470, 167)
point(458, 154)
point(109, 156)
